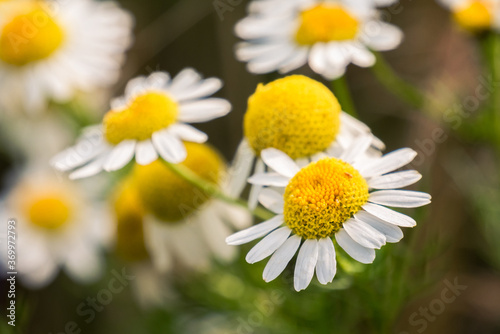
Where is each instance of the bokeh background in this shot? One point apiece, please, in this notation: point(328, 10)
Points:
point(456, 239)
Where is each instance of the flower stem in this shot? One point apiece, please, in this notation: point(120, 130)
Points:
point(341, 91)
point(395, 84)
point(492, 54)
point(213, 190)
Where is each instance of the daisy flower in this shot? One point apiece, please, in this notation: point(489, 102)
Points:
point(282, 36)
point(299, 116)
point(329, 198)
point(51, 50)
point(148, 122)
point(184, 224)
point(475, 15)
point(57, 228)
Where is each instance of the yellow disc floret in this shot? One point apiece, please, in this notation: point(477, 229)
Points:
point(171, 198)
point(49, 211)
point(129, 213)
point(296, 115)
point(31, 36)
point(325, 23)
point(475, 16)
point(323, 196)
point(144, 115)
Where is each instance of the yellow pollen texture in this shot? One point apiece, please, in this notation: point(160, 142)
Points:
point(477, 15)
point(30, 37)
point(145, 115)
point(171, 198)
point(296, 114)
point(326, 23)
point(322, 196)
point(129, 213)
point(49, 212)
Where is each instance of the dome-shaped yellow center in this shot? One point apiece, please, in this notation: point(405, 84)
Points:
point(145, 114)
point(296, 115)
point(169, 197)
point(476, 15)
point(129, 213)
point(323, 196)
point(49, 212)
point(326, 23)
point(29, 37)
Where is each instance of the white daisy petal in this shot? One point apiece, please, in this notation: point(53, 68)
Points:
point(271, 62)
point(327, 264)
point(188, 133)
point(389, 215)
point(272, 200)
point(255, 232)
point(240, 169)
point(90, 169)
point(400, 198)
point(253, 197)
point(382, 36)
point(268, 245)
point(306, 262)
point(120, 155)
point(186, 78)
point(297, 60)
point(169, 147)
point(280, 259)
point(361, 56)
point(269, 179)
point(392, 232)
point(355, 250)
point(206, 88)
point(203, 110)
point(395, 180)
point(364, 234)
point(280, 162)
point(358, 148)
point(145, 152)
point(388, 162)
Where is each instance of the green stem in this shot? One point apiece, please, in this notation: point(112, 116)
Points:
point(341, 90)
point(491, 51)
point(395, 84)
point(213, 190)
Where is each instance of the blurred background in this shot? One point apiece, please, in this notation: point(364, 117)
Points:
point(444, 277)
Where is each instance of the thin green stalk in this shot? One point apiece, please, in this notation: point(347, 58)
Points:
point(213, 190)
point(491, 49)
point(341, 91)
point(396, 85)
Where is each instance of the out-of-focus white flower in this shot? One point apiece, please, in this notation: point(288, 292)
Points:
point(475, 15)
point(329, 198)
point(299, 116)
point(148, 122)
point(57, 228)
point(329, 35)
point(51, 50)
point(185, 225)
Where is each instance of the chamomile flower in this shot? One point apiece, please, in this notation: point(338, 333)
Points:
point(148, 122)
point(329, 198)
point(329, 35)
point(51, 50)
point(475, 15)
point(183, 224)
point(57, 228)
point(299, 116)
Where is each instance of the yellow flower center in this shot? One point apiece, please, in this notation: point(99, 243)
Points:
point(145, 115)
point(49, 212)
point(30, 37)
point(169, 197)
point(322, 196)
point(296, 115)
point(477, 15)
point(325, 23)
point(129, 214)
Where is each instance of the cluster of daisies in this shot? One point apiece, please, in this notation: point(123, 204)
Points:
point(320, 173)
